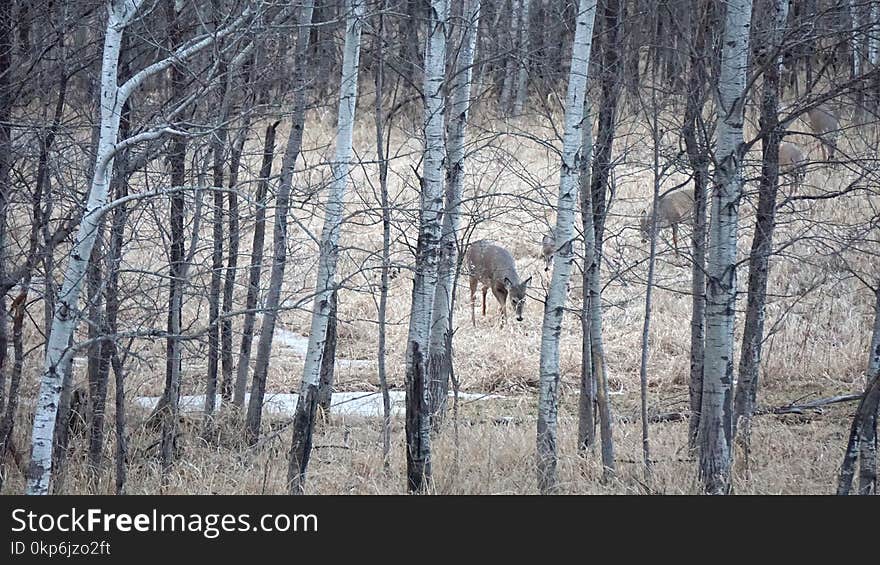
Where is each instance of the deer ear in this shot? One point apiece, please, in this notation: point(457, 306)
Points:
point(507, 283)
point(644, 212)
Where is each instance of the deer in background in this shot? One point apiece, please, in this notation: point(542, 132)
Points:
point(548, 248)
point(673, 208)
point(825, 126)
point(792, 161)
point(494, 267)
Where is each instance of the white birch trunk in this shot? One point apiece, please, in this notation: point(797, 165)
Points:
point(716, 414)
point(64, 320)
point(874, 351)
point(418, 436)
point(874, 39)
point(329, 251)
point(113, 97)
point(441, 324)
point(556, 295)
point(855, 42)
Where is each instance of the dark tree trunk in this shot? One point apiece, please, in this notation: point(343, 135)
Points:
point(770, 33)
point(864, 418)
point(97, 368)
point(328, 359)
point(177, 163)
point(610, 73)
point(279, 260)
point(256, 268)
point(695, 135)
point(226, 358)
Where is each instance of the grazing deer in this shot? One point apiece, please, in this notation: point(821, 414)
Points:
point(673, 208)
point(825, 126)
point(792, 160)
point(548, 247)
point(494, 267)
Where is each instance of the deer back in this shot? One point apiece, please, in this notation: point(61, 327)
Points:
point(790, 156)
point(675, 207)
point(491, 263)
point(822, 121)
point(548, 245)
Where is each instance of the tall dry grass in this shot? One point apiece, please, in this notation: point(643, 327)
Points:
point(818, 319)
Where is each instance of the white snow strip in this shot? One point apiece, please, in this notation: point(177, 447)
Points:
point(363, 404)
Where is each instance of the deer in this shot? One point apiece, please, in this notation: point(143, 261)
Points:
point(548, 247)
point(792, 160)
point(825, 126)
point(494, 267)
point(673, 208)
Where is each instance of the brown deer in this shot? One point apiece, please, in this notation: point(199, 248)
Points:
point(673, 208)
point(548, 247)
point(825, 126)
point(494, 267)
point(792, 161)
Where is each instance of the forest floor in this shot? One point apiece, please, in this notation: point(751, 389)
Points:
point(818, 324)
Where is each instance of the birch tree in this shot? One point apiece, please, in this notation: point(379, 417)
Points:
point(868, 440)
point(304, 418)
point(418, 425)
point(770, 33)
point(113, 97)
point(716, 413)
point(279, 235)
point(440, 358)
point(554, 306)
point(594, 379)
point(697, 147)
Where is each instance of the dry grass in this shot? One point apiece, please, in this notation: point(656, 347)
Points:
point(817, 345)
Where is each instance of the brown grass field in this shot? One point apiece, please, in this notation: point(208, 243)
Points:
point(818, 320)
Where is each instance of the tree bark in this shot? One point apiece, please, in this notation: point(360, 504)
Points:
point(113, 98)
point(554, 306)
point(328, 360)
point(218, 144)
point(508, 84)
point(379, 77)
point(279, 236)
point(868, 439)
point(440, 350)
point(865, 417)
point(610, 73)
point(587, 399)
point(697, 146)
point(716, 412)
point(770, 37)
point(418, 421)
point(323, 308)
point(255, 270)
point(64, 320)
point(522, 81)
point(174, 347)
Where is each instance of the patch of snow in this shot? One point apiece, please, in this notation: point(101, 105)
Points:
point(362, 404)
point(299, 346)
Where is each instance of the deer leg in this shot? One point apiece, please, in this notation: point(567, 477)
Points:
point(501, 297)
point(675, 238)
point(473, 282)
point(485, 289)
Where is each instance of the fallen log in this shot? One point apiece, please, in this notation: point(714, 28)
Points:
point(816, 405)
